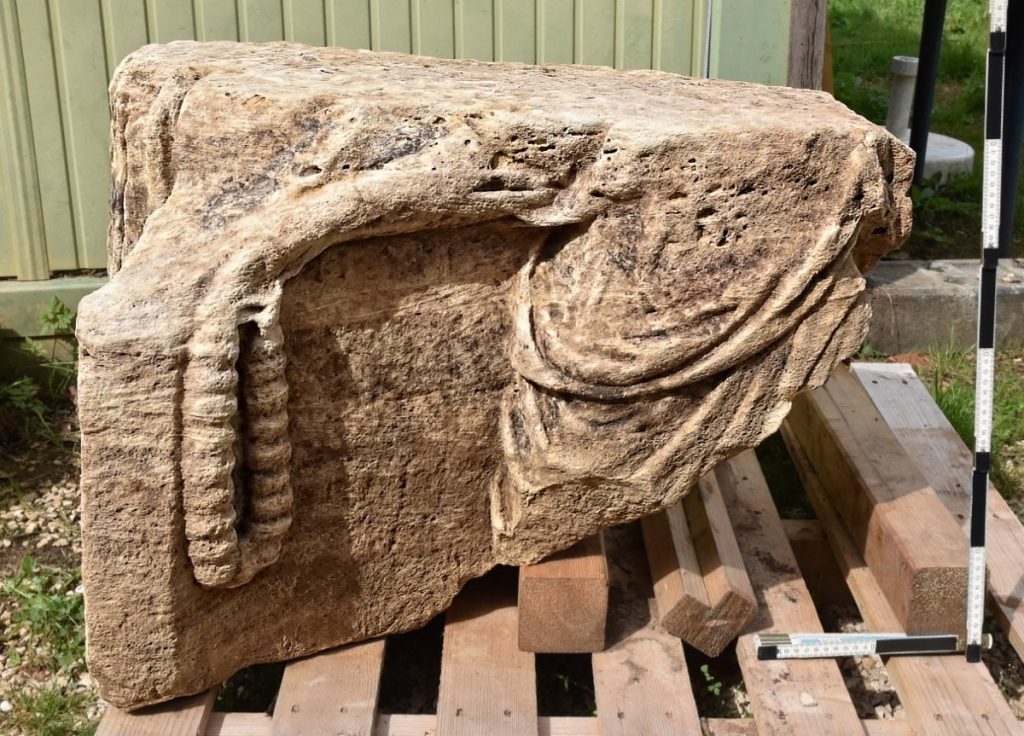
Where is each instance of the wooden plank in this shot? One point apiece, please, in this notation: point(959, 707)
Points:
point(779, 689)
point(182, 717)
point(817, 565)
point(904, 532)
point(487, 684)
point(330, 693)
point(700, 582)
point(942, 694)
point(563, 600)
point(640, 682)
point(946, 462)
point(258, 724)
point(807, 29)
point(238, 724)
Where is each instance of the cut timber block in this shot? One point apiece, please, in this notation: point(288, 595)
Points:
point(641, 682)
point(330, 693)
point(943, 695)
point(787, 696)
point(182, 717)
point(907, 536)
point(563, 600)
point(488, 686)
point(700, 583)
point(946, 462)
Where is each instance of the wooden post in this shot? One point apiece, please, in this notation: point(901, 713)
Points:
point(907, 536)
point(563, 600)
point(808, 21)
point(700, 583)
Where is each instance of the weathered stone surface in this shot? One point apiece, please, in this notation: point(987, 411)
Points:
point(378, 323)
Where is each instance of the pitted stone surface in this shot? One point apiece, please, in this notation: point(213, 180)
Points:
point(377, 323)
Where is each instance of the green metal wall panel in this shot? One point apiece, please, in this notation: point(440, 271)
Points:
point(750, 41)
point(58, 56)
point(167, 20)
point(594, 37)
point(260, 20)
point(78, 44)
point(216, 20)
point(48, 134)
point(22, 229)
point(555, 24)
point(474, 29)
point(348, 23)
point(305, 22)
point(433, 27)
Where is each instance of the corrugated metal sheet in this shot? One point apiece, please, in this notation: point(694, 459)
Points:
point(59, 55)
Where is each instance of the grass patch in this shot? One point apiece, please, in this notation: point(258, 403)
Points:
point(44, 642)
point(52, 711)
point(47, 605)
point(949, 376)
point(866, 34)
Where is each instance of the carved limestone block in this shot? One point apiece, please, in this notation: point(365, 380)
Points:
point(377, 323)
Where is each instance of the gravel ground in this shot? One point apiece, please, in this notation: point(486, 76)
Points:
point(872, 691)
point(39, 516)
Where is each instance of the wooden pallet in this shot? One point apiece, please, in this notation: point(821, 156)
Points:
point(641, 682)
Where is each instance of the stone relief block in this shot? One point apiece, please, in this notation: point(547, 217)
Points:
point(377, 323)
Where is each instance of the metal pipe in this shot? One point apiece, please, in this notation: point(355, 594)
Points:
point(927, 73)
point(901, 95)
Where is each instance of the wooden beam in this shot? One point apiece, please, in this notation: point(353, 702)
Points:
point(807, 32)
point(942, 694)
point(563, 600)
point(946, 462)
point(787, 697)
point(640, 682)
point(487, 684)
point(817, 565)
point(181, 717)
point(904, 532)
point(330, 693)
point(703, 593)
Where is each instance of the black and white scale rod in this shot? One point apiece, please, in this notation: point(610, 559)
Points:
point(984, 382)
point(995, 243)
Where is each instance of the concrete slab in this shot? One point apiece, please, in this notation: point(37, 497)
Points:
point(922, 305)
